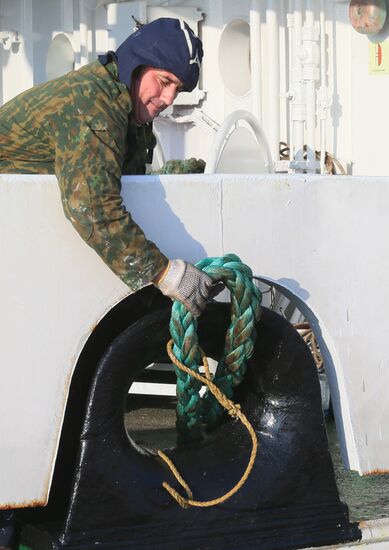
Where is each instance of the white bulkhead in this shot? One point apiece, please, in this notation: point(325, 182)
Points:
point(309, 79)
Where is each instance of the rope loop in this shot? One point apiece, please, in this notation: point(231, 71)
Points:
point(193, 412)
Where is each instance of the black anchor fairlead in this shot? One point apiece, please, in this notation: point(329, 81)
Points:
point(114, 497)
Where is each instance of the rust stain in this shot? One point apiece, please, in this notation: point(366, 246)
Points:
point(377, 472)
point(23, 504)
point(67, 382)
point(363, 524)
point(92, 327)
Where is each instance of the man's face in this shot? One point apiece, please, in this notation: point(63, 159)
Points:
point(152, 91)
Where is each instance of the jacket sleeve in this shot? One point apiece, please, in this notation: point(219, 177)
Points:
point(88, 164)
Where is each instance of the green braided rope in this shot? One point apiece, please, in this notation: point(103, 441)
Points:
point(184, 327)
point(192, 410)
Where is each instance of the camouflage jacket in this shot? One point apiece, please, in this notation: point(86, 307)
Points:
point(80, 127)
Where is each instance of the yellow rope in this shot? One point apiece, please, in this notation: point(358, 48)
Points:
point(234, 410)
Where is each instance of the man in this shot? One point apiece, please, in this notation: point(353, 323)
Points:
point(93, 125)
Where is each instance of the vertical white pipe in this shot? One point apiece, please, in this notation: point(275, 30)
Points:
point(311, 116)
point(310, 13)
point(298, 103)
point(143, 11)
point(83, 33)
point(310, 74)
point(255, 59)
point(290, 24)
point(27, 43)
point(322, 107)
point(66, 16)
point(273, 77)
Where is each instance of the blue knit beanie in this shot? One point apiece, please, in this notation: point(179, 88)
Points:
point(165, 43)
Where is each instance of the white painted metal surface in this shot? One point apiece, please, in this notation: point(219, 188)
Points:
point(348, 117)
point(322, 241)
point(318, 238)
point(54, 289)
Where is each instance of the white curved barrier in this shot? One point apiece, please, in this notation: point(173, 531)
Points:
point(244, 154)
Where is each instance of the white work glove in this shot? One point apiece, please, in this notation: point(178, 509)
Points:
point(191, 286)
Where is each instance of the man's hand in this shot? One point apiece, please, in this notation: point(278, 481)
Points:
point(184, 282)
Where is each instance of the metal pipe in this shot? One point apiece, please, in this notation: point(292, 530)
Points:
point(310, 13)
point(255, 57)
point(311, 126)
point(298, 102)
point(273, 77)
point(143, 11)
point(24, 77)
point(311, 116)
point(83, 34)
point(322, 92)
point(310, 63)
point(67, 20)
point(290, 23)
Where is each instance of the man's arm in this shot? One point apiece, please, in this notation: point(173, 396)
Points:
point(89, 156)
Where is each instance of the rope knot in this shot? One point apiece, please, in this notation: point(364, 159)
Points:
point(234, 410)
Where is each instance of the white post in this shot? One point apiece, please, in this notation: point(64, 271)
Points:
point(289, 95)
point(67, 23)
point(255, 59)
point(323, 103)
point(273, 77)
point(83, 34)
point(310, 63)
point(143, 12)
point(298, 102)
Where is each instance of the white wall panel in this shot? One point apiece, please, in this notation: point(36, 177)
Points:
point(319, 239)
